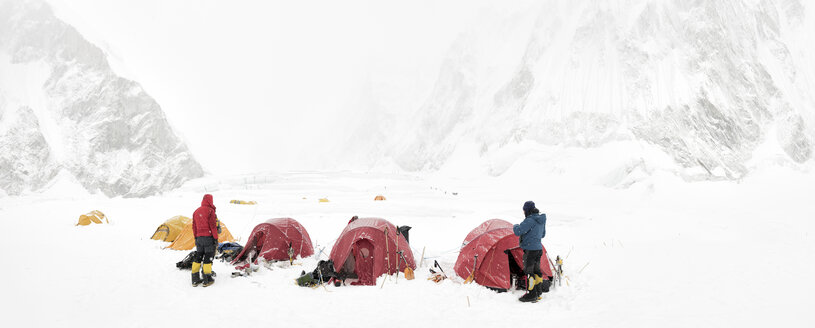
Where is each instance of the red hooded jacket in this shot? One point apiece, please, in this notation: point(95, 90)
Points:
point(204, 220)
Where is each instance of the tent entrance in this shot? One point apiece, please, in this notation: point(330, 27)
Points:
point(516, 271)
point(254, 246)
point(363, 253)
point(161, 233)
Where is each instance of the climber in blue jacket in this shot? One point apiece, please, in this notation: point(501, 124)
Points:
point(530, 233)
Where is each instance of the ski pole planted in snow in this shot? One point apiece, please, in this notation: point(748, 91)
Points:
point(581, 269)
point(557, 274)
point(387, 252)
point(421, 259)
point(320, 252)
point(387, 259)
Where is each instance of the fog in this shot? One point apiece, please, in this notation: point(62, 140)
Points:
point(270, 85)
point(461, 85)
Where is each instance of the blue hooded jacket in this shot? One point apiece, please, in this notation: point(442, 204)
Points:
point(531, 231)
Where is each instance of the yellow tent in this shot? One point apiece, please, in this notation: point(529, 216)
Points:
point(380, 197)
point(323, 200)
point(243, 202)
point(93, 216)
point(186, 240)
point(170, 229)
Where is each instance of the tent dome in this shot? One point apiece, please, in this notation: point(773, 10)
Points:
point(186, 239)
point(272, 239)
point(170, 229)
point(499, 255)
point(367, 248)
point(92, 217)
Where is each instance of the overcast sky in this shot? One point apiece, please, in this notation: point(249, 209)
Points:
point(250, 85)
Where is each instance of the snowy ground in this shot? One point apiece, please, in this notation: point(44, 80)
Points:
point(659, 254)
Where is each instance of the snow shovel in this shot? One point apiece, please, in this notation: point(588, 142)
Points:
point(408, 271)
point(471, 278)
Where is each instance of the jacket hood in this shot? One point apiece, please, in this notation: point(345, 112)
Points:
point(207, 201)
point(539, 218)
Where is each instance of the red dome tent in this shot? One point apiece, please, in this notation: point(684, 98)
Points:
point(361, 249)
point(271, 239)
point(493, 268)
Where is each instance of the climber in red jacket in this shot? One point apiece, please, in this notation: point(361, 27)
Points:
point(206, 228)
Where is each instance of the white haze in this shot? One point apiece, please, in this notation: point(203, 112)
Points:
point(481, 86)
point(269, 85)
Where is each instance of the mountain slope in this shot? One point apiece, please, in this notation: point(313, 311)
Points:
point(705, 82)
point(80, 116)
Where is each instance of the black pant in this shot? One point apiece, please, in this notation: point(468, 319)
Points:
point(532, 262)
point(204, 249)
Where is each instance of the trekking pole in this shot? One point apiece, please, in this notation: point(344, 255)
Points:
point(436, 264)
point(321, 252)
point(397, 258)
point(554, 267)
point(559, 263)
point(320, 273)
point(387, 252)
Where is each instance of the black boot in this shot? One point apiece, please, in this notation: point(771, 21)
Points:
point(196, 279)
point(532, 291)
point(530, 296)
point(208, 280)
point(544, 287)
point(541, 288)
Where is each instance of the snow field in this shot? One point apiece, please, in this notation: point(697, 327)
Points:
point(670, 255)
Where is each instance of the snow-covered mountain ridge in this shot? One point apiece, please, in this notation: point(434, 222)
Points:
point(63, 108)
point(706, 82)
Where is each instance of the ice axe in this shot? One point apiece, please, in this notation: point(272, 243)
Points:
point(291, 254)
point(471, 278)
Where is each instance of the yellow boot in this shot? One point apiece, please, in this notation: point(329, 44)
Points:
point(208, 280)
point(196, 277)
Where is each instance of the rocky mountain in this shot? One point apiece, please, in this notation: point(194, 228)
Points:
point(62, 107)
point(705, 82)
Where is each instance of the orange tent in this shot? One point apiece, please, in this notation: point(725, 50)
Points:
point(243, 202)
point(92, 217)
point(186, 240)
point(170, 229)
point(380, 197)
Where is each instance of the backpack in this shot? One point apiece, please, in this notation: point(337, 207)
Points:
point(186, 263)
point(228, 251)
point(323, 273)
